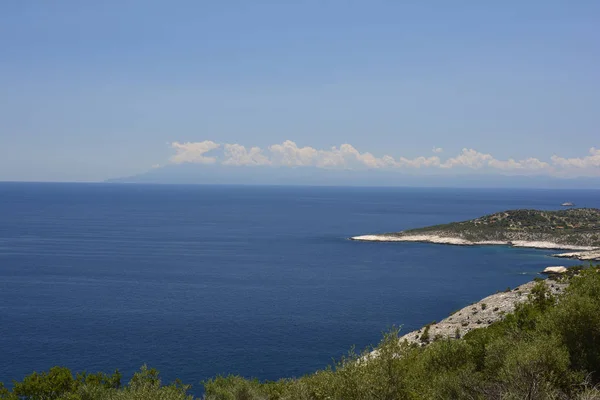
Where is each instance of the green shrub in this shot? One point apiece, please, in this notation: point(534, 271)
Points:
point(541, 297)
point(425, 335)
point(577, 322)
point(60, 384)
point(535, 369)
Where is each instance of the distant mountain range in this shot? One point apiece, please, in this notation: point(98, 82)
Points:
point(263, 175)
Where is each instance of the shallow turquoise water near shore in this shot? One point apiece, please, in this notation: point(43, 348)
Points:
point(258, 281)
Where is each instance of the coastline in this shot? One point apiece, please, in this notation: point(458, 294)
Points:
point(587, 253)
point(480, 314)
point(477, 315)
point(592, 255)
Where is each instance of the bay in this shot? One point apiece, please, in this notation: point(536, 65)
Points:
point(259, 281)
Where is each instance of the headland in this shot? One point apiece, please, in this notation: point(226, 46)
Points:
point(576, 229)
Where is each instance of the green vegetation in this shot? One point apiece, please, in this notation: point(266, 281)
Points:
point(60, 384)
point(425, 335)
point(548, 348)
point(576, 226)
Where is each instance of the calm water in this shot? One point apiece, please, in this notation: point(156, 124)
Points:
point(258, 281)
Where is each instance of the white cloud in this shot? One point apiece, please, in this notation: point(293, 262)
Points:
point(289, 154)
point(194, 152)
point(591, 161)
point(236, 154)
point(468, 158)
point(531, 164)
point(419, 162)
point(473, 159)
point(346, 156)
point(437, 150)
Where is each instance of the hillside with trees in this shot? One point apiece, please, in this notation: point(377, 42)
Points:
point(576, 226)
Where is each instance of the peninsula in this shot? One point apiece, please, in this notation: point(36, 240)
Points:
point(571, 229)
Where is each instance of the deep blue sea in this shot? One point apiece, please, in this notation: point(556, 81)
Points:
point(259, 281)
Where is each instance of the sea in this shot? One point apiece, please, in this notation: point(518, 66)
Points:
point(199, 281)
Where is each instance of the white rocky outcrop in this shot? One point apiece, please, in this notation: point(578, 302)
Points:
point(592, 255)
point(548, 245)
point(414, 238)
point(481, 314)
point(477, 315)
point(586, 252)
point(555, 270)
point(425, 239)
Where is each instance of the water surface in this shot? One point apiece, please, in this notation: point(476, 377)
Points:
point(259, 281)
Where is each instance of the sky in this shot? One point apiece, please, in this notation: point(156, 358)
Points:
point(104, 89)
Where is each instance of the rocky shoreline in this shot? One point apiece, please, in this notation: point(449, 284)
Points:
point(478, 315)
point(592, 255)
point(587, 253)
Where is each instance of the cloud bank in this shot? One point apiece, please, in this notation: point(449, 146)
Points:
point(346, 156)
point(194, 152)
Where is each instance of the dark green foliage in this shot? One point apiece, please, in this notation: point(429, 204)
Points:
point(576, 269)
point(60, 384)
point(234, 388)
point(6, 394)
point(59, 381)
point(577, 322)
point(425, 335)
point(535, 369)
point(541, 297)
point(575, 219)
point(547, 349)
point(47, 385)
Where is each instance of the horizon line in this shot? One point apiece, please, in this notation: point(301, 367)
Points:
point(273, 185)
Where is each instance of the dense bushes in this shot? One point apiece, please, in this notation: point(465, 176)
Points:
point(547, 349)
point(60, 384)
point(577, 226)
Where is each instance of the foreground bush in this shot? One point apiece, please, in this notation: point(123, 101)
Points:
point(547, 349)
point(60, 384)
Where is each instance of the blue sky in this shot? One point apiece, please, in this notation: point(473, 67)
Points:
point(94, 90)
